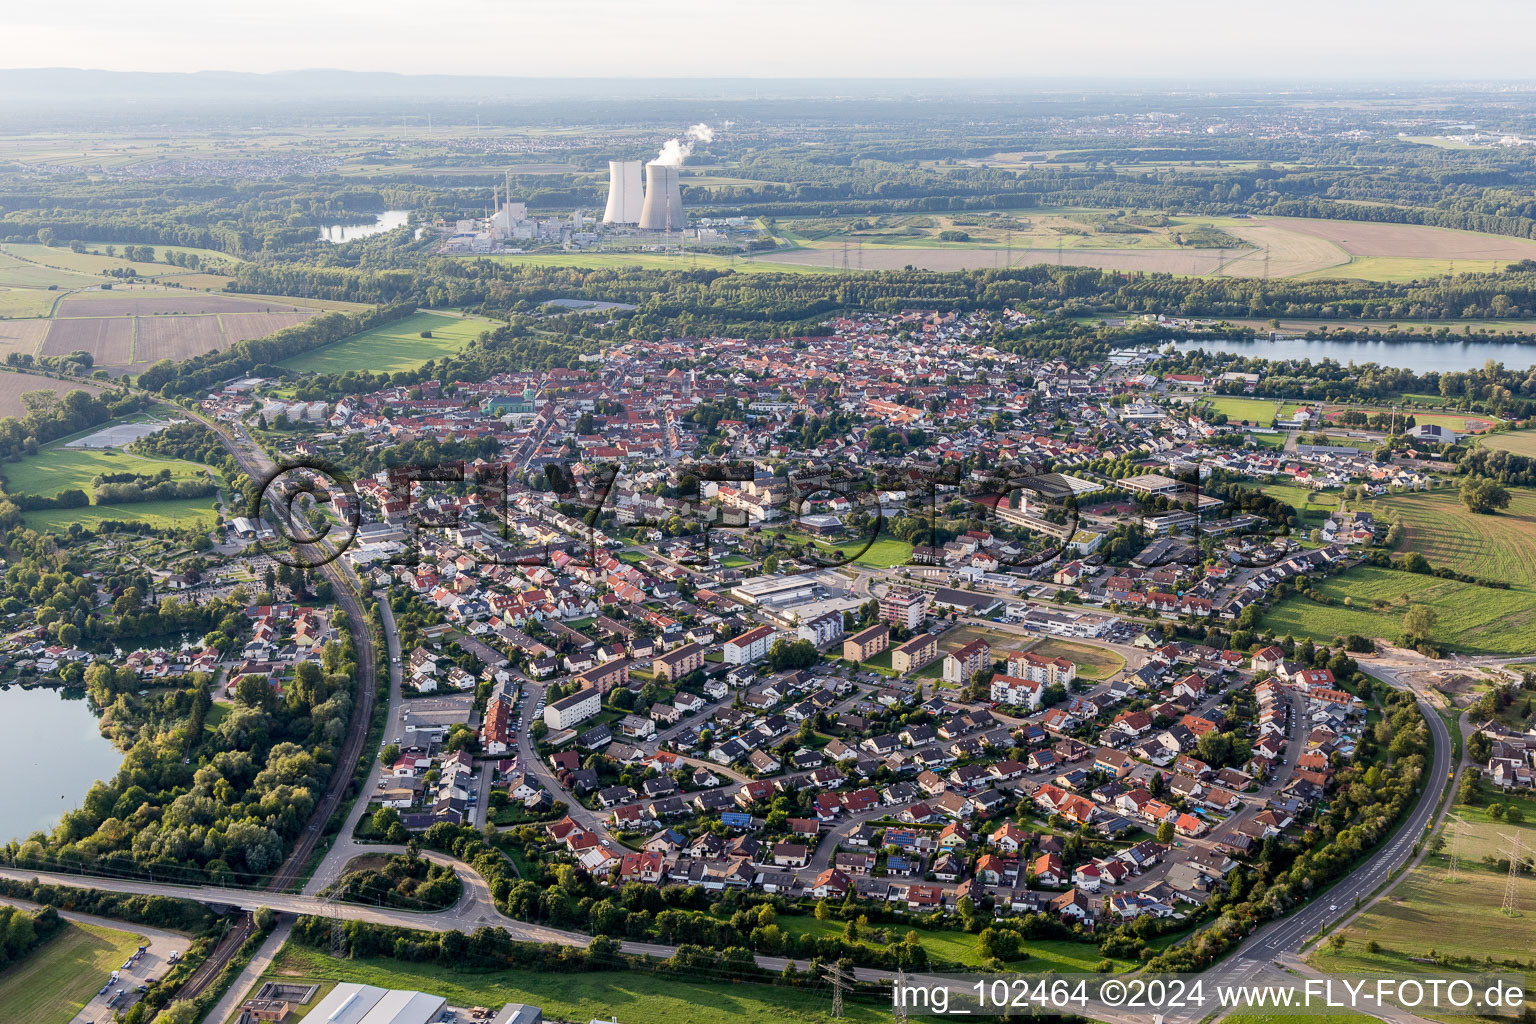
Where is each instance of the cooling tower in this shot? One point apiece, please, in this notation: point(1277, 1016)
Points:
point(624, 196)
point(663, 210)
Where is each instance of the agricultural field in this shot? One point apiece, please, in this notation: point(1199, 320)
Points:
point(14, 385)
point(629, 996)
point(1520, 442)
point(1495, 547)
point(1093, 662)
point(1428, 911)
point(57, 468)
point(55, 982)
point(108, 339)
point(1469, 618)
point(649, 260)
point(54, 301)
point(393, 347)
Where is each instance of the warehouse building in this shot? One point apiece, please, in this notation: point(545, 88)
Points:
point(367, 1004)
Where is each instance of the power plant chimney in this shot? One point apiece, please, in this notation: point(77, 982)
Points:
point(624, 197)
point(663, 210)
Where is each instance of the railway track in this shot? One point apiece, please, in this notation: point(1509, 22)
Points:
point(290, 872)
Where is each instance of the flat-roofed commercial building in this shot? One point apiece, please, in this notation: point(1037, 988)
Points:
point(367, 1004)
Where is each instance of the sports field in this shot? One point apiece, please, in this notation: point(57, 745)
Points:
point(396, 346)
point(56, 981)
point(1253, 411)
point(1469, 618)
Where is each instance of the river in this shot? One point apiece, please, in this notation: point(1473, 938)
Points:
point(386, 221)
point(57, 753)
point(1419, 356)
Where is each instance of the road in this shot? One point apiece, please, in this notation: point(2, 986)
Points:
point(1249, 963)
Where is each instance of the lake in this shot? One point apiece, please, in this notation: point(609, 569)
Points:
point(57, 754)
point(1418, 356)
point(386, 221)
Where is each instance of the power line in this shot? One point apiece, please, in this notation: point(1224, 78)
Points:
point(1510, 907)
point(840, 978)
point(1456, 826)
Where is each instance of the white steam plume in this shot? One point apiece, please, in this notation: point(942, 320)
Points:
point(675, 151)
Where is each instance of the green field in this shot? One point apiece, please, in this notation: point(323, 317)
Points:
point(1470, 618)
point(1258, 412)
point(960, 947)
point(1521, 442)
point(1096, 663)
point(652, 261)
point(1429, 911)
point(1496, 547)
point(629, 996)
point(1312, 507)
point(882, 554)
point(56, 468)
point(55, 982)
point(393, 347)
point(1401, 269)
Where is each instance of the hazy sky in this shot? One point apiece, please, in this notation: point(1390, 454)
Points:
point(1403, 39)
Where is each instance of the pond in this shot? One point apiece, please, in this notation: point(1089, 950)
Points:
point(58, 753)
point(386, 221)
point(1419, 356)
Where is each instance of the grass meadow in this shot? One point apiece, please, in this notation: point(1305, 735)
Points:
point(55, 982)
point(57, 468)
point(1469, 618)
point(393, 347)
point(629, 996)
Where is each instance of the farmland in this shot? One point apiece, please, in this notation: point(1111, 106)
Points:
point(14, 385)
point(1429, 912)
point(56, 981)
point(59, 301)
point(1496, 547)
point(395, 346)
point(1521, 442)
point(1469, 618)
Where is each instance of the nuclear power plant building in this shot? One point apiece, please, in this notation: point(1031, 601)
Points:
point(624, 196)
point(663, 209)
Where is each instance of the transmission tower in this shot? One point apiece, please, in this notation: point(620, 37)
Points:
point(338, 927)
point(1510, 907)
point(1456, 826)
point(899, 999)
point(839, 978)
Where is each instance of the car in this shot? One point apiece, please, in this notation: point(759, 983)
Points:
point(1333, 908)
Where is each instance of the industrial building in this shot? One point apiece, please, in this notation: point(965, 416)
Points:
point(349, 1003)
point(625, 197)
point(663, 207)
